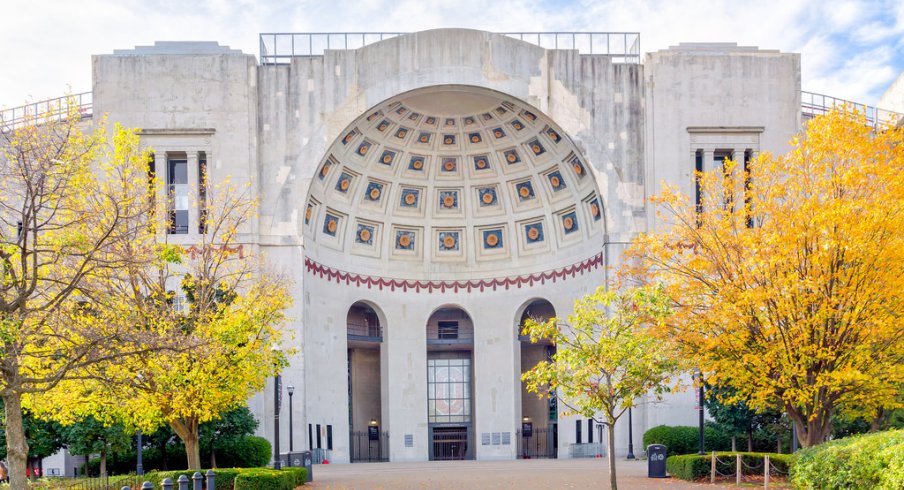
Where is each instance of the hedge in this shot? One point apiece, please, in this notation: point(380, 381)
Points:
point(695, 466)
point(686, 439)
point(867, 461)
point(239, 478)
point(245, 452)
point(267, 479)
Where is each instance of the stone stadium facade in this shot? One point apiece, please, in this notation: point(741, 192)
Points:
point(427, 192)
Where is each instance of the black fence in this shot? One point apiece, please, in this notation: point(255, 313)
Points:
point(369, 447)
point(450, 443)
point(538, 443)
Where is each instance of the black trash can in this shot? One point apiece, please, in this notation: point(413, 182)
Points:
point(656, 461)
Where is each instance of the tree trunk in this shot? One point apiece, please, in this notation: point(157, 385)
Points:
point(810, 432)
point(213, 457)
point(734, 443)
point(16, 444)
point(103, 464)
point(749, 439)
point(187, 430)
point(613, 484)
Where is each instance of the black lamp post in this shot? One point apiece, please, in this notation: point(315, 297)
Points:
point(277, 388)
point(700, 408)
point(290, 390)
point(630, 436)
point(139, 466)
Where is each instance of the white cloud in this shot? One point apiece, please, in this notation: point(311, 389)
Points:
point(47, 44)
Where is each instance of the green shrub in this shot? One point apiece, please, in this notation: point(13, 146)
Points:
point(696, 466)
point(301, 475)
point(244, 452)
point(686, 439)
point(265, 479)
point(868, 461)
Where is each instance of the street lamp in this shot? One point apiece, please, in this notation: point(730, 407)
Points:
point(700, 408)
point(277, 388)
point(139, 466)
point(290, 390)
point(630, 436)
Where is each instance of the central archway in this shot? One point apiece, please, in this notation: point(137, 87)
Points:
point(447, 195)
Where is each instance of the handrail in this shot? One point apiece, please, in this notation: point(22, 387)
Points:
point(813, 104)
point(59, 107)
point(281, 47)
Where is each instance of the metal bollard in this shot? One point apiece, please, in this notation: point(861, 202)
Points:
point(167, 484)
point(183, 482)
point(211, 485)
point(147, 486)
point(198, 479)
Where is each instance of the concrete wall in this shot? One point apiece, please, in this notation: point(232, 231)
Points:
point(715, 95)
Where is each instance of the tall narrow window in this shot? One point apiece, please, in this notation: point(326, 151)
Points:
point(329, 437)
point(748, 183)
point(152, 175)
point(590, 431)
point(202, 192)
point(310, 437)
point(177, 180)
point(577, 431)
point(720, 157)
point(698, 191)
point(318, 437)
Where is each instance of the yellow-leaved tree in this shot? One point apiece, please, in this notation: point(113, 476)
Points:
point(230, 313)
point(786, 281)
point(70, 202)
point(606, 357)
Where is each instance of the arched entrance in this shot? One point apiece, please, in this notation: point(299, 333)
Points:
point(538, 436)
point(455, 196)
point(364, 330)
point(450, 407)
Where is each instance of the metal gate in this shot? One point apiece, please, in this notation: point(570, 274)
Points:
point(368, 450)
point(539, 443)
point(450, 443)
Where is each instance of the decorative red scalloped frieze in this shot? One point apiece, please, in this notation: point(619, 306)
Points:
point(359, 280)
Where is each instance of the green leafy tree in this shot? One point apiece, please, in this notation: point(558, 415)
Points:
point(227, 429)
point(93, 436)
point(605, 356)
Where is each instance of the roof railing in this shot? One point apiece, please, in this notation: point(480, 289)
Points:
point(813, 104)
point(281, 47)
point(59, 107)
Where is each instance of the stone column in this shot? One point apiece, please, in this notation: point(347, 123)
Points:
point(193, 183)
point(161, 172)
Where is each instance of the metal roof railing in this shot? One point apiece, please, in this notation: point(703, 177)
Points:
point(59, 107)
point(813, 104)
point(281, 47)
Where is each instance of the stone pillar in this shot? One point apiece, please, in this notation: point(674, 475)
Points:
point(404, 355)
point(193, 183)
point(494, 353)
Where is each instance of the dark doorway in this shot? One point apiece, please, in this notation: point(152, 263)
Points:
point(449, 443)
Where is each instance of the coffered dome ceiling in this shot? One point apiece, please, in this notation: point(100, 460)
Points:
point(451, 182)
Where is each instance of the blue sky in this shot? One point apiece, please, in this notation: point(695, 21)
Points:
point(849, 49)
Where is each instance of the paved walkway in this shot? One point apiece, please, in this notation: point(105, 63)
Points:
point(519, 474)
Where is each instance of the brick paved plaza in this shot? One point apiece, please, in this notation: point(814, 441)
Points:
point(520, 474)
